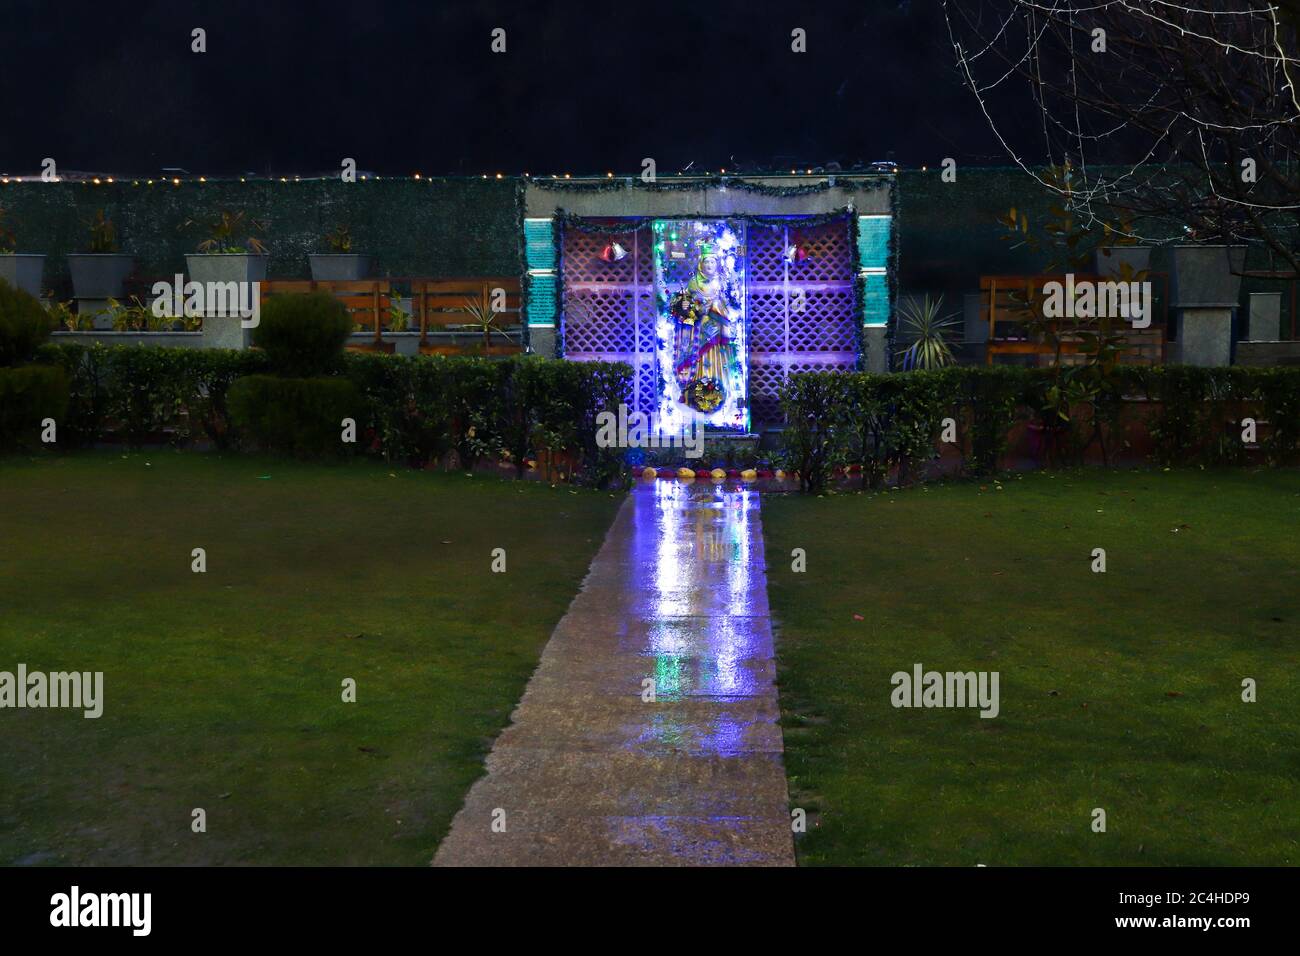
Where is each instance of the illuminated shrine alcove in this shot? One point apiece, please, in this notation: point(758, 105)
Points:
point(776, 299)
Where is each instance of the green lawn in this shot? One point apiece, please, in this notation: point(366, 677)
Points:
point(223, 690)
point(1119, 690)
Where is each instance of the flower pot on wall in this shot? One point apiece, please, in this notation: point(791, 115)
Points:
point(344, 267)
point(23, 272)
point(226, 267)
point(99, 276)
point(1207, 277)
point(1109, 261)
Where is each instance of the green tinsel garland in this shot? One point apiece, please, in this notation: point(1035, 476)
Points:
point(630, 224)
point(557, 238)
point(673, 184)
point(891, 272)
point(525, 279)
point(859, 292)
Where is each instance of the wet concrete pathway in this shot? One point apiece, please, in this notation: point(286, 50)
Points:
point(588, 773)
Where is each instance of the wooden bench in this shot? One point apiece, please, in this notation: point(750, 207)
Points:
point(1012, 305)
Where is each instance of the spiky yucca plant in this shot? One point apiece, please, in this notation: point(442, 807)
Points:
point(931, 330)
point(485, 319)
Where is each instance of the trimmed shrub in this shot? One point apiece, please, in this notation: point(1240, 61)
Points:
point(408, 399)
point(1279, 396)
point(29, 395)
point(303, 335)
point(24, 325)
point(816, 435)
point(598, 387)
point(420, 408)
point(474, 400)
point(522, 386)
point(411, 409)
point(213, 373)
point(87, 369)
point(886, 421)
point(144, 392)
point(993, 396)
point(298, 416)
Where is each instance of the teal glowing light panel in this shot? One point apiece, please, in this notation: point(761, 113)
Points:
point(539, 253)
point(873, 262)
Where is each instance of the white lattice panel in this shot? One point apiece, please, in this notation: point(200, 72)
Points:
point(645, 327)
point(764, 384)
point(830, 255)
point(835, 364)
point(646, 386)
point(766, 251)
point(582, 261)
point(599, 320)
point(822, 320)
point(766, 320)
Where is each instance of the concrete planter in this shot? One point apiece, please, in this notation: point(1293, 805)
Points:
point(1108, 261)
point(339, 267)
point(23, 272)
point(99, 275)
point(227, 267)
point(1207, 277)
point(226, 332)
point(1265, 316)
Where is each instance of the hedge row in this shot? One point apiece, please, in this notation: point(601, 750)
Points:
point(893, 422)
point(414, 410)
point(30, 395)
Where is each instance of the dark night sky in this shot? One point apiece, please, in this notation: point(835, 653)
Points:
point(584, 87)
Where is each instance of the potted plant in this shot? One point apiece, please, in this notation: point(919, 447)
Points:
point(132, 316)
point(399, 319)
point(20, 270)
point(100, 272)
point(340, 263)
point(231, 253)
point(63, 319)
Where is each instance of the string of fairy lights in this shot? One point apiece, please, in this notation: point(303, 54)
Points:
point(608, 180)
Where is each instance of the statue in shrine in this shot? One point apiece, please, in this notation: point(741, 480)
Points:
point(705, 314)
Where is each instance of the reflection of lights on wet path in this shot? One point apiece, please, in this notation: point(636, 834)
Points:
point(594, 771)
point(706, 571)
